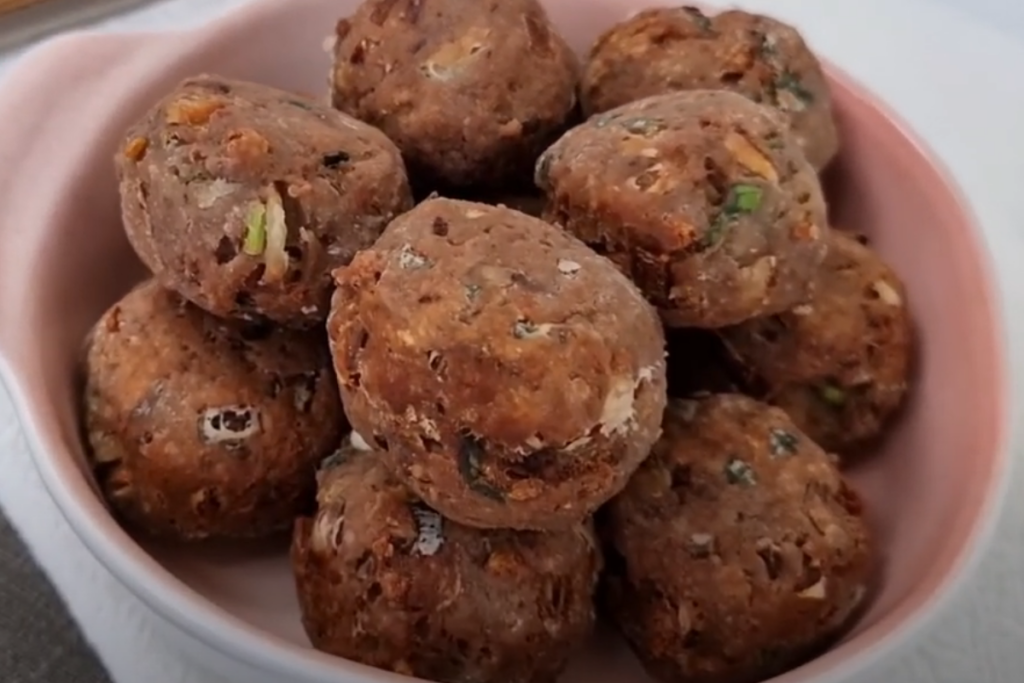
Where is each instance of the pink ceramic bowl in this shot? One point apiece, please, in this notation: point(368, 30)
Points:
point(64, 259)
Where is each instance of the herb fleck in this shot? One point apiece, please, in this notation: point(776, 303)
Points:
point(255, 241)
point(782, 443)
point(700, 546)
point(335, 159)
point(789, 82)
point(301, 105)
point(739, 472)
point(702, 21)
point(832, 394)
point(742, 199)
point(473, 292)
point(471, 455)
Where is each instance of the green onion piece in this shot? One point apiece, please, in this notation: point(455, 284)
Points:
point(255, 230)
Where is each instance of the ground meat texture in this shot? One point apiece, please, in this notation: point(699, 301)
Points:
point(671, 49)
point(737, 550)
point(840, 364)
point(702, 197)
point(201, 428)
point(385, 580)
point(699, 362)
point(512, 377)
point(243, 198)
point(470, 91)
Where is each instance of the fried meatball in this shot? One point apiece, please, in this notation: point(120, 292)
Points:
point(201, 428)
point(737, 550)
point(839, 365)
point(702, 197)
point(472, 92)
point(243, 198)
point(680, 48)
point(511, 377)
point(385, 580)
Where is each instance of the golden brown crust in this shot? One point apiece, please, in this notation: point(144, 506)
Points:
point(470, 91)
point(216, 155)
point(671, 49)
point(202, 428)
point(513, 377)
point(737, 549)
point(384, 580)
point(840, 365)
point(701, 197)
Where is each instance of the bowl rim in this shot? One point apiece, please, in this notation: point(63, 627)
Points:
point(232, 637)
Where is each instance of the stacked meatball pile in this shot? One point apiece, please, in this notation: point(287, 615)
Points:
point(508, 340)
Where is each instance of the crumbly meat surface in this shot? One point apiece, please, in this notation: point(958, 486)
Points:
point(472, 92)
point(702, 197)
point(243, 198)
point(201, 428)
point(680, 48)
point(737, 550)
point(385, 580)
point(839, 365)
point(512, 377)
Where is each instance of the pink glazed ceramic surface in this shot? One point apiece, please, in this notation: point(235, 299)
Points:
point(64, 259)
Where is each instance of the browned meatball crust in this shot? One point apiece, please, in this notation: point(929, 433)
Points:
point(202, 428)
point(470, 91)
point(702, 197)
point(680, 48)
point(737, 550)
point(839, 365)
point(512, 377)
point(243, 197)
point(385, 580)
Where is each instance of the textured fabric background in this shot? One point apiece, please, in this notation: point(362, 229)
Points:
point(39, 643)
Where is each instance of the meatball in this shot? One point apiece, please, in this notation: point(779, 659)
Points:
point(839, 365)
point(472, 92)
point(737, 550)
point(511, 377)
point(680, 48)
point(243, 198)
point(698, 362)
point(201, 428)
point(385, 580)
point(702, 197)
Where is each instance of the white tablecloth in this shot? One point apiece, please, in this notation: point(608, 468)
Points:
point(972, 61)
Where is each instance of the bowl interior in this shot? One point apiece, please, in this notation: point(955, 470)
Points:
point(925, 488)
